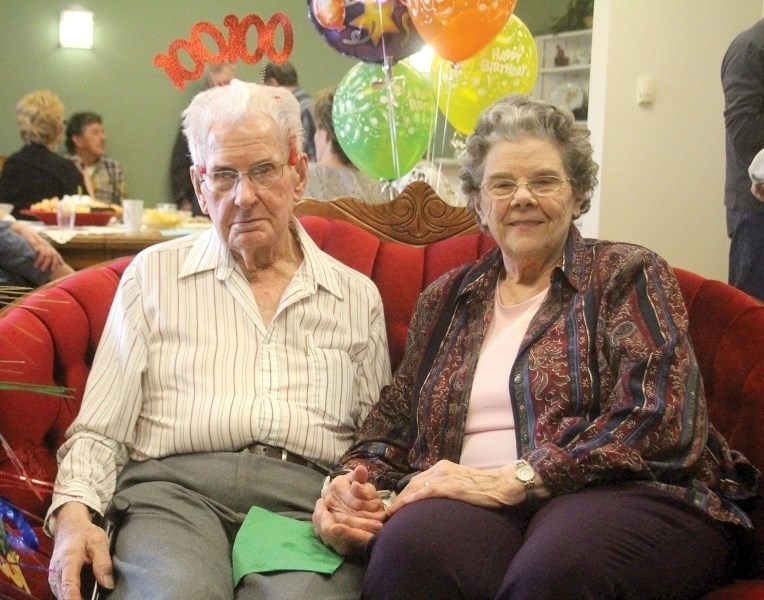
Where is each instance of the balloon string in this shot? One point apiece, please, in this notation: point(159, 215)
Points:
point(388, 69)
point(441, 68)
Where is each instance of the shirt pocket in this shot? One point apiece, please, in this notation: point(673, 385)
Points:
point(332, 384)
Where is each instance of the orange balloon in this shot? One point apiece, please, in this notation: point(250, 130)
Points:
point(459, 29)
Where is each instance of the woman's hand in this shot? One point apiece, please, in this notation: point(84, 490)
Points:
point(490, 488)
point(349, 513)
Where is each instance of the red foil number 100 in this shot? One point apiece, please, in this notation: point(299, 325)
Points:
point(232, 50)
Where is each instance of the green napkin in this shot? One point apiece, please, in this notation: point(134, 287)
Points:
point(270, 542)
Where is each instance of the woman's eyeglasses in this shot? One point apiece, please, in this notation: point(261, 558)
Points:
point(505, 189)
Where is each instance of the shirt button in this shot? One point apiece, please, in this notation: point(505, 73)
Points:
point(518, 378)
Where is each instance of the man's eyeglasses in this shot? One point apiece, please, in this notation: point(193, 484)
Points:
point(226, 180)
point(505, 189)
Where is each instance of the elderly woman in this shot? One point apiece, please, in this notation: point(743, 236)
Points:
point(546, 433)
point(36, 171)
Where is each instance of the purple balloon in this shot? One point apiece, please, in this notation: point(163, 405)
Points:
point(380, 32)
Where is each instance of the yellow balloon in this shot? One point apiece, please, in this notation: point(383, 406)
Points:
point(509, 64)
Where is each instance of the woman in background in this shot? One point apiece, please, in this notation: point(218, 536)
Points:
point(35, 171)
point(333, 174)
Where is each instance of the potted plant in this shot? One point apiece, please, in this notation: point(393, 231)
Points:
point(578, 15)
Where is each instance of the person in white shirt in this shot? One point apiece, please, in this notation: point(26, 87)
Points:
point(242, 337)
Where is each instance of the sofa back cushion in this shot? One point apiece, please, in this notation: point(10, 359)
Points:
point(400, 271)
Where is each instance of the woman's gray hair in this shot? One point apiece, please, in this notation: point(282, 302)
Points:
point(230, 104)
point(40, 117)
point(517, 117)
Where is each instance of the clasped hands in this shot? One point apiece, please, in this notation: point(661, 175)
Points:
point(350, 512)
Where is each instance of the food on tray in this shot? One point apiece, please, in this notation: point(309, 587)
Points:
point(161, 219)
point(85, 204)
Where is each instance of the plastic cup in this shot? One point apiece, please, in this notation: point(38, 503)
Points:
point(132, 215)
point(66, 212)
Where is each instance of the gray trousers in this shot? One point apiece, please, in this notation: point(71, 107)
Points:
point(176, 540)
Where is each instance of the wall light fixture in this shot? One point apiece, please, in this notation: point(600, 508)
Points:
point(76, 28)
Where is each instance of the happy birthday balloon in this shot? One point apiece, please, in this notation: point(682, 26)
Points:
point(459, 29)
point(509, 64)
point(377, 31)
point(384, 124)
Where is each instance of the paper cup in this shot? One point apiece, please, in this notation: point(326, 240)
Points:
point(132, 215)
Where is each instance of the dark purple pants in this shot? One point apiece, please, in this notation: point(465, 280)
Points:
point(620, 542)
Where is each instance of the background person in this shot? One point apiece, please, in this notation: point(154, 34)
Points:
point(546, 431)
point(180, 164)
point(742, 76)
point(86, 144)
point(26, 259)
point(234, 370)
point(35, 171)
point(285, 75)
point(333, 174)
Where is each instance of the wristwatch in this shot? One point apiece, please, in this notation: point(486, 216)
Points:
point(525, 474)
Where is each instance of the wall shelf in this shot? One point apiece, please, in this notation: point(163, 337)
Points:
point(568, 83)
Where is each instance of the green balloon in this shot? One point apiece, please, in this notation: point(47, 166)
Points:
point(383, 120)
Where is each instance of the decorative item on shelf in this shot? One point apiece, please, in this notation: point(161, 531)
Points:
point(578, 15)
point(560, 58)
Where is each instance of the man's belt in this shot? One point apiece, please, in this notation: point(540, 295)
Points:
point(285, 455)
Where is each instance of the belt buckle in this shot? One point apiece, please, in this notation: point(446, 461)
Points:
point(257, 449)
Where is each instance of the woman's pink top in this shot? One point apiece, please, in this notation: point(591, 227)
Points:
point(489, 440)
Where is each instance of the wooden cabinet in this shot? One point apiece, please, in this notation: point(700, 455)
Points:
point(563, 73)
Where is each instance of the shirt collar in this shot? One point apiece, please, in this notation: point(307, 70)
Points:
point(208, 253)
point(570, 269)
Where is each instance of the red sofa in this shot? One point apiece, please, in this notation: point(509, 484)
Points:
point(50, 338)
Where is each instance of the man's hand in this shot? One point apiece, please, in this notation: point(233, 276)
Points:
point(349, 514)
point(757, 189)
point(78, 542)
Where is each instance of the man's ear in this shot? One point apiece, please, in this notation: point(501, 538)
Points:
point(302, 170)
point(196, 181)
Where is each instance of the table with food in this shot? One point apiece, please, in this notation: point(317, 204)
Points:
point(98, 233)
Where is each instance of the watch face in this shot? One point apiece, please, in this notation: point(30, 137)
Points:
point(524, 472)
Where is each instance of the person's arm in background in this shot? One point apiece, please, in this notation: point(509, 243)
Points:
point(25, 254)
point(743, 84)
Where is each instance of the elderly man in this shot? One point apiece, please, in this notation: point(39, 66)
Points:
point(86, 145)
point(233, 372)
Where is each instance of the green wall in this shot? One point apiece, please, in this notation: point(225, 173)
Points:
point(140, 106)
